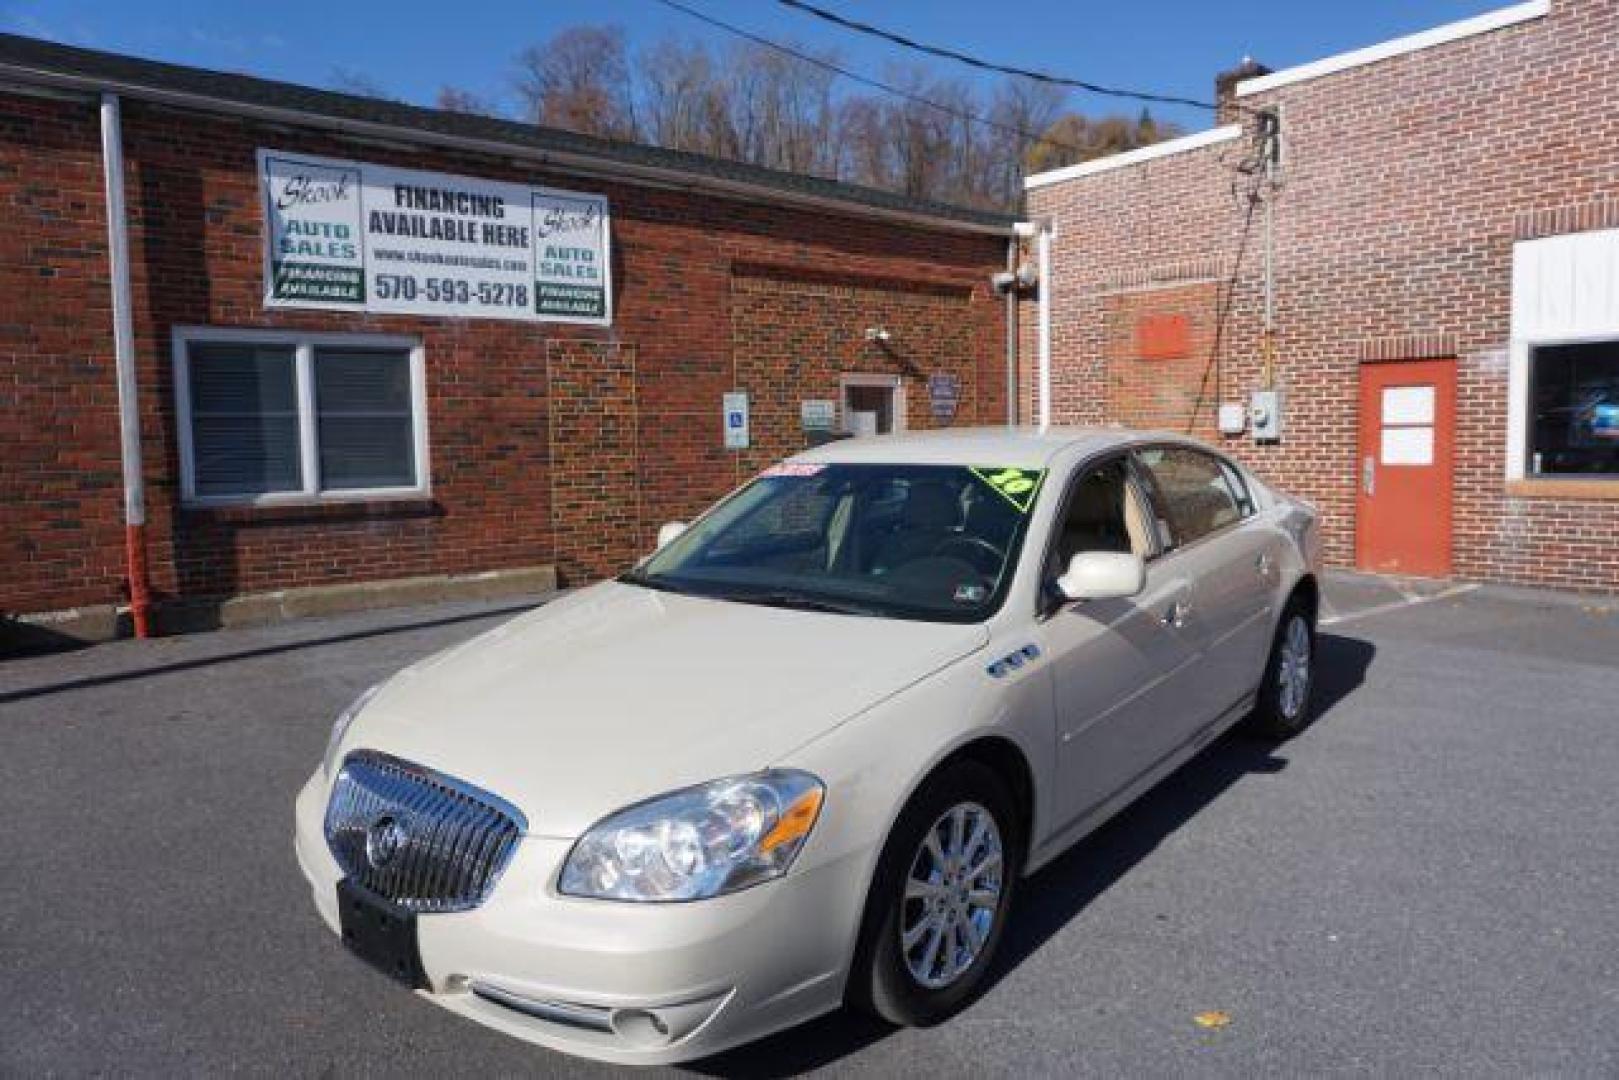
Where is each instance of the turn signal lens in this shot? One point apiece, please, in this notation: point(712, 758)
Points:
point(796, 823)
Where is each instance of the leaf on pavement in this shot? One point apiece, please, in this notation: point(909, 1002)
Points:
point(1212, 1019)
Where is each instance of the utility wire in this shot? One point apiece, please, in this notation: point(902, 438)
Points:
point(987, 65)
point(853, 76)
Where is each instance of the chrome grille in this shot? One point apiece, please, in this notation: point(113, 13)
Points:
point(423, 840)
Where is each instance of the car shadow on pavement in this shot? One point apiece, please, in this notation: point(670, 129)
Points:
point(1053, 897)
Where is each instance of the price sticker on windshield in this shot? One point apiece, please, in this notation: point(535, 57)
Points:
point(1017, 486)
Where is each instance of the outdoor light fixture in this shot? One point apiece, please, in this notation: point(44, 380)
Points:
point(878, 334)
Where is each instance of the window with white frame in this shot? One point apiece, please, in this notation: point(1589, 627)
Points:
point(273, 417)
point(1563, 405)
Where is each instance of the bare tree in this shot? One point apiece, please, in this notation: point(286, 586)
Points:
point(682, 102)
point(865, 152)
point(1073, 138)
point(456, 100)
point(1021, 110)
point(580, 81)
point(358, 83)
point(746, 102)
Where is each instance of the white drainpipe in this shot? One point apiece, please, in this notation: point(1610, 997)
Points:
point(123, 341)
point(1043, 253)
point(1041, 233)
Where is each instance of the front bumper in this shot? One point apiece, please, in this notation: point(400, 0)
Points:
point(622, 982)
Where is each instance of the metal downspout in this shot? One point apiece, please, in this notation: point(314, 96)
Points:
point(1012, 249)
point(1043, 246)
point(123, 338)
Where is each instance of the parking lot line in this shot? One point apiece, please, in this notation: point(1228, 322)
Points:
point(1408, 600)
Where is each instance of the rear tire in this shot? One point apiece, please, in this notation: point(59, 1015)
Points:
point(940, 899)
point(1283, 708)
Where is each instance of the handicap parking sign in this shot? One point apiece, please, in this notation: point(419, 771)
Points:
point(735, 411)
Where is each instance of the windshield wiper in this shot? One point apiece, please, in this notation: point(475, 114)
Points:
point(797, 601)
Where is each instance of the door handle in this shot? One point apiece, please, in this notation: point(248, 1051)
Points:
point(1368, 475)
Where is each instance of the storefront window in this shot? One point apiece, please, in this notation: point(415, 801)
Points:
point(1575, 410)
point(284, 417)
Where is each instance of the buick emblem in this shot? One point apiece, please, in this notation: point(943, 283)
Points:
point(383, 840)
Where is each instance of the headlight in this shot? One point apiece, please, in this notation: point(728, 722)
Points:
point(340, 726)
point(696, 843)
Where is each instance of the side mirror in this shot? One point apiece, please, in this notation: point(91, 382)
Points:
point(669, 532)
point(1103, 575)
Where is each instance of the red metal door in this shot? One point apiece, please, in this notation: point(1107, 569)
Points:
point(1407, 432)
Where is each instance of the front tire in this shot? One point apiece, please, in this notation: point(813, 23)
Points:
point(1283, 709)
point(940, 899)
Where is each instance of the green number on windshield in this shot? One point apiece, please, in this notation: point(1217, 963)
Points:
point(1016, 486)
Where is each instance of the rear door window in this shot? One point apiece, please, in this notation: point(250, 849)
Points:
point(1194, 495)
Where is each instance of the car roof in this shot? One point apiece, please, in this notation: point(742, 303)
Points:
point(1018, 447)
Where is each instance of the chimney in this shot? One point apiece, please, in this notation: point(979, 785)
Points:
point(1225, 88)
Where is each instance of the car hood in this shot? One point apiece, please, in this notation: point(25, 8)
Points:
point(618, 693)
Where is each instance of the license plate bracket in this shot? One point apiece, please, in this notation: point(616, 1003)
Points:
point(381, 933)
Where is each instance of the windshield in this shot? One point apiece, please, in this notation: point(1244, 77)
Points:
point(932, 542)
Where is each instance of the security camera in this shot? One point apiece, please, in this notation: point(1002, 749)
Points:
point(877, 333)
point(1027, 276)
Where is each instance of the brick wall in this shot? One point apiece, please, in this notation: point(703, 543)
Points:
point(496, 430)
point(1156, 346)
point(795, 338)
point(1406, 183)
point(59, 465)
point(595, 458)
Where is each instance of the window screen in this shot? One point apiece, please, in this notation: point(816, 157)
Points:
point(244, 419)
point(363, 401)
point(1195, 495)
point(1575, 410)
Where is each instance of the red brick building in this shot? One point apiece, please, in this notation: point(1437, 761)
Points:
point(303, 426)
point(1443, 212)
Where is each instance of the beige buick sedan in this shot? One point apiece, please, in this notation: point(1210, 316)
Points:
point(801, 755)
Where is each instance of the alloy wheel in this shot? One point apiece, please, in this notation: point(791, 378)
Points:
point(1293, 673)
point(952, 895)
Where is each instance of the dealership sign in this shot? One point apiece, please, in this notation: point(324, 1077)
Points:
point(346, 236)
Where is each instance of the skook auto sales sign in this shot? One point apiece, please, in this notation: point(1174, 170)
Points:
point(347, 236)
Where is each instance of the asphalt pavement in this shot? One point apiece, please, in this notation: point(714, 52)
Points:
point(1424, 881)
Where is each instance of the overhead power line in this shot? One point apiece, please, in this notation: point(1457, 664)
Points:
point(854, 76)
point(987, 65)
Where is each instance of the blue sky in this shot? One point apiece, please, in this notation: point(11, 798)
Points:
point(411, 47)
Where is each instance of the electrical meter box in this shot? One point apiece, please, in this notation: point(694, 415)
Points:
point(1265, 415)
point(1233, 419)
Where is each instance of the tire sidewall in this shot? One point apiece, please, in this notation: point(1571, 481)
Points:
point(881, 982)
point(1270, 715)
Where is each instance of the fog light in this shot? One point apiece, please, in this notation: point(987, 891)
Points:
point(640, 1027)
